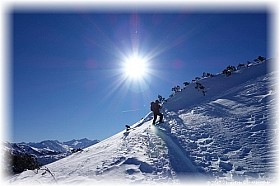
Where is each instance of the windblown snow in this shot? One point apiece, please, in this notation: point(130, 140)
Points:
point(228, 135)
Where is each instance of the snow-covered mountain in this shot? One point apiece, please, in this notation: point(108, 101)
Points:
point(226, 135)
point(49, 150)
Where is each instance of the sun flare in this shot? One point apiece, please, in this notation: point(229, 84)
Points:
point(135, 67)
point(134, 72)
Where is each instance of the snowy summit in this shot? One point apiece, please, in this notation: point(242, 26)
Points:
point(224, 132)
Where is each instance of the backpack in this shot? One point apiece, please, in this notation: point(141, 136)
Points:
point(152, 106)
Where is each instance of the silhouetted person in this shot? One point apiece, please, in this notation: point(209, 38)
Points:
point(155, 107)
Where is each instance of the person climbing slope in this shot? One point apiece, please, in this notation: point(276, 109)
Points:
point(155, 107)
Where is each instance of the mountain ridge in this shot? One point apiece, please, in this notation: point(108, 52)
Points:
point(47, 151)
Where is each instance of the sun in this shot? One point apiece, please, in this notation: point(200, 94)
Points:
point(135, 67)
point(134, 72)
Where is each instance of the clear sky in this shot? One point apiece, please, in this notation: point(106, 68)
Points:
point(69, 75)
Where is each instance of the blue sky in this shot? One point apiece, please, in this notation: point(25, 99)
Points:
point(67, 71)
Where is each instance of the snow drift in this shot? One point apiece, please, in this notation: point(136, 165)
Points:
point(228, 135)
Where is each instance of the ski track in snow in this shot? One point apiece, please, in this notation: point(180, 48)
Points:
point(228, 136)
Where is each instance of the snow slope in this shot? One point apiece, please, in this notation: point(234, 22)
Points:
point(228, 135)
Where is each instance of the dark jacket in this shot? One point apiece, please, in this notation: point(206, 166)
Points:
point(156, 108)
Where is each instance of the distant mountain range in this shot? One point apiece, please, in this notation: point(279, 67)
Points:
point(48, 151)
